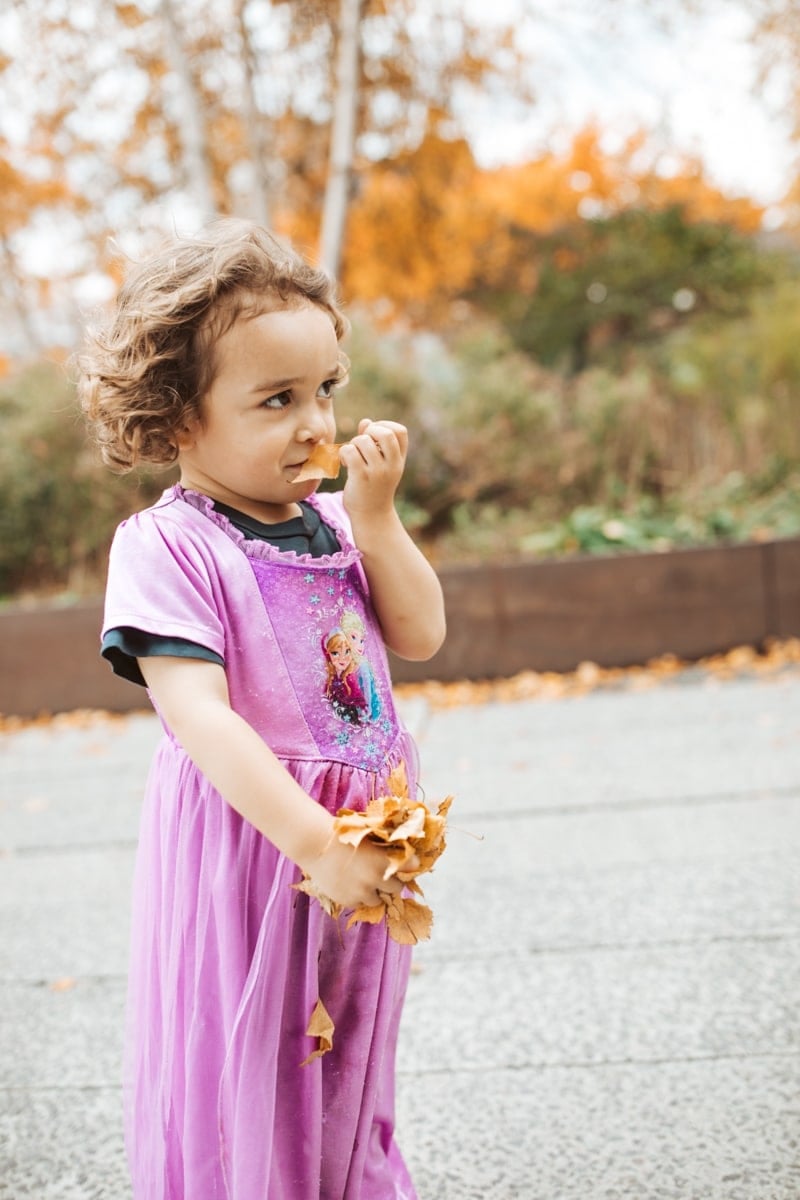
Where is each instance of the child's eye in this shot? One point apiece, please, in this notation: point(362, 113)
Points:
point(279, 400)
point(327, 389)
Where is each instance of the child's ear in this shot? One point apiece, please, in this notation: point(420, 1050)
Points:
point(185, 437)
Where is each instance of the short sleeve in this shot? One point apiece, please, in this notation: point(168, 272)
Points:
point(162, 580)
point(124, 647)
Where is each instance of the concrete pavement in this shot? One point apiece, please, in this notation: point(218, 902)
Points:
point(608, 1007)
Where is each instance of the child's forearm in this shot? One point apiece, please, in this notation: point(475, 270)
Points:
point(404, 588)
point(192, 697)
point(237, 762)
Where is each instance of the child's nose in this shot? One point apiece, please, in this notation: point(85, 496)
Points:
point(313, 427)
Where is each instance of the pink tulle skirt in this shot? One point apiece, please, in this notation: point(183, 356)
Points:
point(227, 964)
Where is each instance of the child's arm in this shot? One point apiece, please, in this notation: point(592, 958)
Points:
point(192, 697)
point(404, 588)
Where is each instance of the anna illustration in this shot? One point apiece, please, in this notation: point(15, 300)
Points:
point(341, 679)
point(354, 630)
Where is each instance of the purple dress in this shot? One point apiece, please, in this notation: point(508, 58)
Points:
point(227, 960)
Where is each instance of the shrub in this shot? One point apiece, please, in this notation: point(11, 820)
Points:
point(696, 440)
point(605, 284)
point(58, 505)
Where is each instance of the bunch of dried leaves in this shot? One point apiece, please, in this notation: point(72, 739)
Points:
point(413, 838)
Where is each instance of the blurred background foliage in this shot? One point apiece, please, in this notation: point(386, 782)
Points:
point(683, 436)
point(596, 350)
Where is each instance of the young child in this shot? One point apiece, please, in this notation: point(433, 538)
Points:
point(223, 355)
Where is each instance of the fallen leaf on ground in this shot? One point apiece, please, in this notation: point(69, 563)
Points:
point(774, 655)
point(65, 984)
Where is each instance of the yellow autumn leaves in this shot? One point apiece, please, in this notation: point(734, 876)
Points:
point(414, 838)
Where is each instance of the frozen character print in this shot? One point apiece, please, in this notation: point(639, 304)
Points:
point(355, 631)
point(341, 683)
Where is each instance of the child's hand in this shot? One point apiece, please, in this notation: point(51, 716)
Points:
point(375, 460)
point(352, 876)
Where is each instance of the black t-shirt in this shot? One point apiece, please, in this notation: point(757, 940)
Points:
point(306, 534)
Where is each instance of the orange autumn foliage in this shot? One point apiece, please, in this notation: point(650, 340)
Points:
point(430, 225)
point(416, 225)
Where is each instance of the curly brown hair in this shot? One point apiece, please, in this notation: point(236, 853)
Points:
point(143, 374)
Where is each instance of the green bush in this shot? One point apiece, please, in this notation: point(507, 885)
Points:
point(747, 373)
point(696, 440)
point(488, 425)
point(483, 419)
point(606, 284)
point(58, 504)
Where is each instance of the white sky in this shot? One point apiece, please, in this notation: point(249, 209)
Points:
point(696, 86)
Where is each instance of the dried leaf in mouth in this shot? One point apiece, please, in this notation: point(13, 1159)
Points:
point(322, 463)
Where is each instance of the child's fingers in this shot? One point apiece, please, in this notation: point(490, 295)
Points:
point(366, 422)
point(376, 441)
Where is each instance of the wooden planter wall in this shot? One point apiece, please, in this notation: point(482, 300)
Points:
point(543, 616)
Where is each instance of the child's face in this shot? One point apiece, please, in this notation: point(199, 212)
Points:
point(270, 403)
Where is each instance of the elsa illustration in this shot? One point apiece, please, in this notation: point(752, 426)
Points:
point(342, 687)
point(354, 630)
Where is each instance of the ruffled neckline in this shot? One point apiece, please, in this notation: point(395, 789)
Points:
point(254, 548)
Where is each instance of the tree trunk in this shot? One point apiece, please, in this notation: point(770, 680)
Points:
point(261, 194)
point(343, 136)
point(196, 158)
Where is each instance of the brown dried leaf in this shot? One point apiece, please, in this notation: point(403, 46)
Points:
point(322, 463)
point(407, 920)
point(398, 782)
point(412, 884)
point(321, 1027)
point(310, 888)
point(65, 984)
point(402, 862)
point(371, 914)
point(413, 838)
point(414, 825)
point(352, 827)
